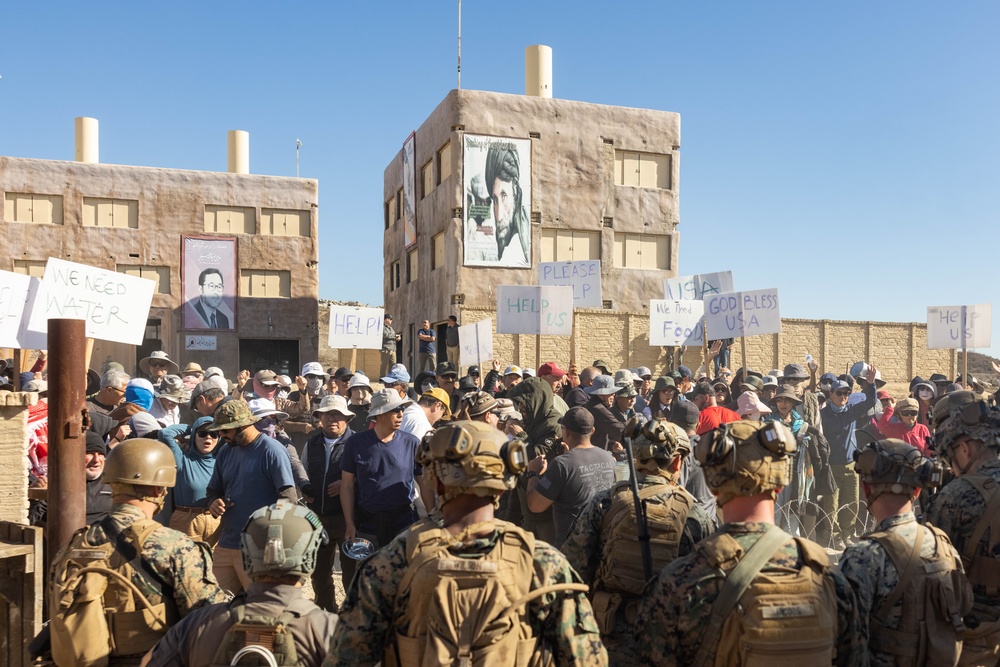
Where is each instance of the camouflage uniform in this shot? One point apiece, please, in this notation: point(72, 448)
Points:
point(583, 549)
point(873, 575)
point(184, 565)
point(956, 510)
point(674, 616)
point(369, 615)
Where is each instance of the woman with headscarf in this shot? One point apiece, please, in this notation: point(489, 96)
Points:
point(194, 451)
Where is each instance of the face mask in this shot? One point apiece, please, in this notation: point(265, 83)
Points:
point(825, 386)
point(268, 426)
point(283, 393)
point(313, 385)
point(924, 394)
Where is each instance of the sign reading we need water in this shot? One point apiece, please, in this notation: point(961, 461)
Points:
point(535, 309)
point(740, 314)
point(958, 327)
point(17, 297)
point(114, 306)
point(475, 342)
point(354, 327)
point(584, 276)
point(697, 287)
point(676, 322)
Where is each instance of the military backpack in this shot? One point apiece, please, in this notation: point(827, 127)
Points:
point(98, 612)
point(254, 639)
point(468, 611)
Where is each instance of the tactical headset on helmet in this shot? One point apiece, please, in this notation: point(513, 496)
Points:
point(282, 540)
point(473, 458)
point(657, 439)
point(141, 461)
point(962, 413)
point(893, 466)
point(746, 458)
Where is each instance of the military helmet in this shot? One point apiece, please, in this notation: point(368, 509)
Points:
point(963, 413)
point(893, 466)
point(282, 540)
point(658, 439)
point(746, 458)
point(141, 461)
point(472, 458)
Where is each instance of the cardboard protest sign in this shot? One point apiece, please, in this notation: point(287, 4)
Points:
point(17, 297)
point(114, 306)
point(475, 343)
point(958, 327)
point(697, 287)
point(354, 327)
point(583, 276)
point(535, 309)
point(676, 322)
point(740, 314)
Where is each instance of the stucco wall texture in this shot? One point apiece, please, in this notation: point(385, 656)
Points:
point(171, 202)
point(572, 187)
point(13, 462)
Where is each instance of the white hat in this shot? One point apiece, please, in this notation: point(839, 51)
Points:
point(770, 381)
point(358, 380)
point(159, 355)
point(513, 370)
point(528, 372)
point(214, 371)
point(314, 368)
point(333, 403)
point(387, 400)
point(264, 407)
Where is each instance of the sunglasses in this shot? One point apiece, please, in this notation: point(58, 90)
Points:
point(908, 413)
point(843, 392)
point(157, 364)
point(207, 434)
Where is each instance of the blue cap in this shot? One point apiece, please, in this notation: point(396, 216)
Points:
point(396, 375)
point(827, 377)
point(684, 371)
point(839, 384)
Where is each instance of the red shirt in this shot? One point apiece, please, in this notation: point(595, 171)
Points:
point(714, 416)
point(916, 436)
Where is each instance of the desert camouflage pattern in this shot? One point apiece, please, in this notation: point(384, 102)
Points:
point(675, 612)
point(369, 617)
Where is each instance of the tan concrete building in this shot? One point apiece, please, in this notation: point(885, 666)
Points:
point(133, 220)
point(594, 182)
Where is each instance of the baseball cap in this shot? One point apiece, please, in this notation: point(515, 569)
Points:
point(883, 394)
point(578, 420)
point(513, 370)
point(644, 373)
point(474, 370)
point(839, 384)
point(703, 389)
point(441, 395)
point(342, 373)
point(267, 378)
point(685, 414)
point(313, 368)
point(684, 371)
point(397, 375)
point(446, 368)
point(770, 381)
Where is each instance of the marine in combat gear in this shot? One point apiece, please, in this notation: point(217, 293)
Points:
point(750, 590)
point(146, 576)
point(967, 509)
point(279, 547)
point(604, 548)
point(468, 588)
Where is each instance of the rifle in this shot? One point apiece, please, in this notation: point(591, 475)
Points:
point(633, 426)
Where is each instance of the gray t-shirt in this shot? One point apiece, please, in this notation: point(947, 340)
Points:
point(572, 480)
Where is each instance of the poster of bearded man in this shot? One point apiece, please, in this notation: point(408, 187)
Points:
point(497, 184)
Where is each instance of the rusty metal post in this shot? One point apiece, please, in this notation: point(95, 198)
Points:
point(67, 445)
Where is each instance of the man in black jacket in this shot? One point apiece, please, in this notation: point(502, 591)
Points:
point(98, 493)
point(321, 456)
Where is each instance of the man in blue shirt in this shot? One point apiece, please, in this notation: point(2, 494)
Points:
point(379, 476)
point(839, 428)
point(427, 359)
point(251, 471)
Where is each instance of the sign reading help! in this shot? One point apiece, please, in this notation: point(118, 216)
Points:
point(114, 306)
point(353, 327)
point(676, 322)
point(958, 327)
point(535, 309)
point(739, 314)
point(583, 276)
point(697, 287)
point(475, 343)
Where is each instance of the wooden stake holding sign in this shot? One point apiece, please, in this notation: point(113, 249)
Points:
point(356, 328)
point(960, 328)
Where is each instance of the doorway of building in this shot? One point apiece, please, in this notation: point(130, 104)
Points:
point(280, 356)
point(152, 341)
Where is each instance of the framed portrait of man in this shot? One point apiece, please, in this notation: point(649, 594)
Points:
point(209, 277)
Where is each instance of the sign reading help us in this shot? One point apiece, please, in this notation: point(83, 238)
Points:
point(17, 297)
point(740, 314)
point(957, 327)
point(676, 322)
point(535, 309)
point(697, 287)
point(583, 276)
point(475, 343)
point(354, 327)
point(114, 306)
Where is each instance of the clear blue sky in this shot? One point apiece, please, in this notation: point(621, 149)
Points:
point(845, 153)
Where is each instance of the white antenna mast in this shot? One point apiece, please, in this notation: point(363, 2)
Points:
point(460, 44)
point(298, 145)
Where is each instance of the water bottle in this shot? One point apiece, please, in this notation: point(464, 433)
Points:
point(809, 359)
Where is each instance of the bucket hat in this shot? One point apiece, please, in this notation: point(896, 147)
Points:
point(158, 355)
point(387, 400)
